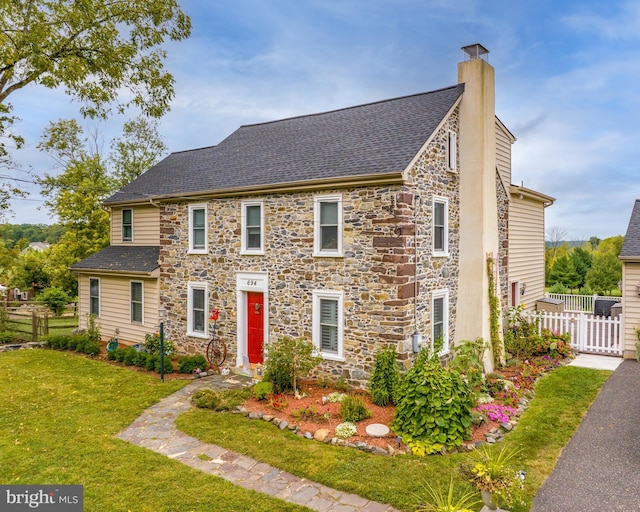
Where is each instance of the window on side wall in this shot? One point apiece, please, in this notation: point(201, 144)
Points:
point(198, 228)
point(94, 296)
point(440, 227)
point(197, 300)
point(328, 324)
point(137, 302)
point(440, 318)
point(127, 225)
point(327, 219)
point(452, 151)
point(252, 227)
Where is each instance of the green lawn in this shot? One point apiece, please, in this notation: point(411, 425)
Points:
point(59, 413)
point(562, 399)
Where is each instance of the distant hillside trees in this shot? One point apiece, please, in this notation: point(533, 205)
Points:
point(592, 267)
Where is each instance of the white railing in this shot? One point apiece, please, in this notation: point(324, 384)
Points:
point(589, 333)
point(585, 303)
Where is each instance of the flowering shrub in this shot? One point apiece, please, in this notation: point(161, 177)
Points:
point(336, 397)
point(311, 413)
point(553, 343)
point(497, 412)
point(346, 430)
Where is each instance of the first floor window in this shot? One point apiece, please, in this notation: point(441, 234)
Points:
point(136, 302)
point(440, 319)
point(328, 324)
point(197, 306)
point(94, 296)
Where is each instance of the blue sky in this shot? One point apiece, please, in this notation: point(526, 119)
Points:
point(566, 84)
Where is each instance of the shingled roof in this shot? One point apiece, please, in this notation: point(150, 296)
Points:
point(372, 139)
point(119, 258)
point(631, 245)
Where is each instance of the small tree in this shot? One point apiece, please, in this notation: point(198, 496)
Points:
point(287, 360)
point(55, 298)
point(384, 377)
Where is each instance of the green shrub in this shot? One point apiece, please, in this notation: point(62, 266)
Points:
point(111, 355)
point(206, 399)
point(150, 364)
point(346, 430)
point(468, 361)
point(168, 364)
point(93, 328)
point(72, 342)
point(91, 348)
point(55, 298)
point(80, 342)
point(521, 336)
point(434, 407)
point(54, 341)
point(130, 355)
point(262, 390)
point(152, 345)
point(384, 377)
point(188, 364)
point(226, 400)
point(353, 409)
point(140, 360)
point(287, 360)
point(119, 354)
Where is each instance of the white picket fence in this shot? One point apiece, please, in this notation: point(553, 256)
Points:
point(584, 303)
point(589, 333)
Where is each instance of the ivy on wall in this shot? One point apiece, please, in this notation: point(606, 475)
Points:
point(497, 345)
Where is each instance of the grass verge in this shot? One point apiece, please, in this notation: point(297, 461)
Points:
point(59, 413)
point(562, 398)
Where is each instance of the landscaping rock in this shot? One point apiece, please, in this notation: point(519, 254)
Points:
point(283, 424)
point(379, 451)
point(255, 415)
point(267, 417)
point(308, 435)
point(321, 434)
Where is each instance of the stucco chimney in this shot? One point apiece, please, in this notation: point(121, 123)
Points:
point(478, 201)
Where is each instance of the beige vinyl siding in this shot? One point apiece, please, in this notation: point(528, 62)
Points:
point(503, 153)
point(115, 307)
point(146, 225)
point(630, 307)
point(526, 248)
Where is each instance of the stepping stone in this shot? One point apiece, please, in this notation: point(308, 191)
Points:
point(377, 430)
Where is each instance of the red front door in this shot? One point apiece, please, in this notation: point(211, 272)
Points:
point(255, 326)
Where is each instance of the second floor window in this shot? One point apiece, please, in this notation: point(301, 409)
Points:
point(252, 228)
point(328, 226)
point(127, 225)
point(198, 228)
point(440, 226)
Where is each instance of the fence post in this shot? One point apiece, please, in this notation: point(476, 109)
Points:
point(34, 326)
point(45, 327)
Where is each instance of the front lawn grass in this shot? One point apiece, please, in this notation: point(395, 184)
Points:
point(59, 413)
point(562, 398)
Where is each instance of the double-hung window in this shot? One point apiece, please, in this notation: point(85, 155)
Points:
point(252, 227)
point(440, 226)
point(137, 302)
point(327, 217)
point(328, 324)
point(127, 225)
point(452, 151)
point(440, 318)
point(94, 296)
point(197, 300)
point(198, 228)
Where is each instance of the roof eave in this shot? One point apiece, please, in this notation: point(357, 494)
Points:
point(388, 178)
point(123, 273)
point(532, 194)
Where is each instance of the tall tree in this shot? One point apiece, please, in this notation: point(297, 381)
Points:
point(555, 236)
point(104, 54)
point(564, 272)
point(581, 260)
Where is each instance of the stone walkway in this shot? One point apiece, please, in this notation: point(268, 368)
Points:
point(155, 430)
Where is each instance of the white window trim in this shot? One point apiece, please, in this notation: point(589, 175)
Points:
point(141, 321)
point(441, 294)
point(122, 224)
point(192, 250)
point(445, 250)
point(99, 295)
point(243, 223)
point(317, 251)
point(328, 295)
point(197, 285)
point(452, 151)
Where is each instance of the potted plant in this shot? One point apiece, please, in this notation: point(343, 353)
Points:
point(491, 471)
point(448, 501)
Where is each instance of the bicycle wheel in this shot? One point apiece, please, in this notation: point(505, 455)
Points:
point(216, 353)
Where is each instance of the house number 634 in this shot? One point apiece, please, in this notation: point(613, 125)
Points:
point(251, 282)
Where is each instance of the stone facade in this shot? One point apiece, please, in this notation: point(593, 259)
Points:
point(503, 238)
point(387, 238)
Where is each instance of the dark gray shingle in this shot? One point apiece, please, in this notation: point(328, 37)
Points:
point(119, 258)
point(631, 245)
point(375, 138)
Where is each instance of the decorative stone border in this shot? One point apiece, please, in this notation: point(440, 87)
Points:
point(7, 347)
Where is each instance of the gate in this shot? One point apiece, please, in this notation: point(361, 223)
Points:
point(589, 333)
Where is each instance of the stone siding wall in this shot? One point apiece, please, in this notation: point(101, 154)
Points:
point(376, 274)
point(503, 238)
